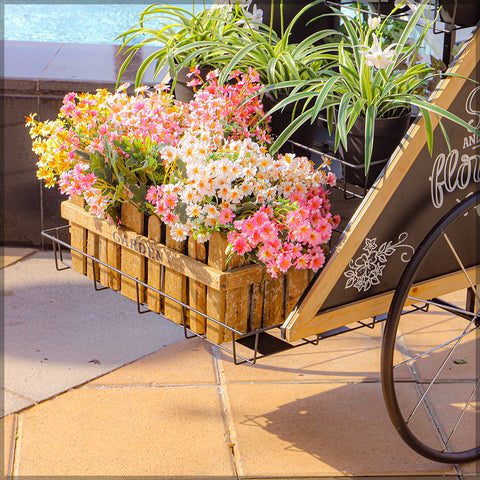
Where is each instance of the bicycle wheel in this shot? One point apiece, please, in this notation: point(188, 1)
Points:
point(430, 345)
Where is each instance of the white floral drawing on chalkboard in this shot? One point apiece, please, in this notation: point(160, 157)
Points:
point(366, 270)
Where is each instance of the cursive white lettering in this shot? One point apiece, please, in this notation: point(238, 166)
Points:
point(449, 175)
point(469, 107)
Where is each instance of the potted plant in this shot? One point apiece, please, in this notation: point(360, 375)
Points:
point(185, 39)
point(278, 16)
point(464, 13)
point(369, 84)
point(230, 38)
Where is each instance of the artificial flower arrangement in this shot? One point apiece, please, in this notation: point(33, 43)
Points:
point(201, 167)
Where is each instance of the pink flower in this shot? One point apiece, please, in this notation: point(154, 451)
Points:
point(194, 83)
point(226, 216)
point(194, 71)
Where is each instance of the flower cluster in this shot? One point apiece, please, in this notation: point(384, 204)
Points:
point(201, 167)
point(276, 210)
point(102, 142)
point(216, 106)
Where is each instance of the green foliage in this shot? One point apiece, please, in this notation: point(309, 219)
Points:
point(351, 87)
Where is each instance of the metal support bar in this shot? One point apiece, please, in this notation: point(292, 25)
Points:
point(260, 341)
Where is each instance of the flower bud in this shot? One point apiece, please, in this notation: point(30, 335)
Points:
point(374, 22)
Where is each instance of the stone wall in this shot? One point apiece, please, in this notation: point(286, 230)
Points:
point(35, 79)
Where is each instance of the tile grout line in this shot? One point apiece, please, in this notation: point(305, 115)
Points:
point(15, 447)
point(11, 452)
point(226, 409)
point(11, 392)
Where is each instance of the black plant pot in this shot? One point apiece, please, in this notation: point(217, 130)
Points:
point(300, 30)
point(182, 91)
point(384, 7)
point(281, 119)
point(464, 13)
point(387, 135)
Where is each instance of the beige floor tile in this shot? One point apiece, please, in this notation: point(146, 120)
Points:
point(350, 356)
point(471, 470)
point(125, 431)
point(8, 440)
point(448, 401)
point(185, 362)
point(319, 429)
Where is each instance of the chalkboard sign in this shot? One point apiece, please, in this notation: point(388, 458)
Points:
point(414, 192)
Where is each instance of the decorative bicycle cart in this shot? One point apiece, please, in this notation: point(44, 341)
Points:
point(412, 241)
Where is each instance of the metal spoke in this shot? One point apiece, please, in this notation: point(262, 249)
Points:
point(461, 414)
point(437, 373)
point(452, 308)
point(435, 348)
point(472, 286)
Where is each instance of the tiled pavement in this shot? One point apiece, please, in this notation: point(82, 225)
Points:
point(187, 410)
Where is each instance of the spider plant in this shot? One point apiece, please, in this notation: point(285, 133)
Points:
point(368, 80)
point(183, 38)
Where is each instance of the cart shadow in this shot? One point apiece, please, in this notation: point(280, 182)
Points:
point(346, 425)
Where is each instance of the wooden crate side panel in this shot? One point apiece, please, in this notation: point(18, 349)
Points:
point(132, 263)
point(255, 317)
point(175, 284)
point(161, 254)
point(232, 305)
point(197, 291)
point(78, 240)
point(104, 271)
point(154, 270)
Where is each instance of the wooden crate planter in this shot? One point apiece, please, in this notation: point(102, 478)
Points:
point(237, 294)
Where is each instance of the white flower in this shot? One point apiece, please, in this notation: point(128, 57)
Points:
point(411, 4)
point(255, 16)
point(179, 232)
point(374, 22)
point(376, 57)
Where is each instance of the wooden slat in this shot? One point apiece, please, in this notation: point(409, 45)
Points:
point(175, 284)
point(274, 308)
point(78, 239)
point(256, 306)
point(197, 291)
point(237, 303)
point(93, 250)
point(114, 258)
point(296, 283)
point(304, 320)
point(161, 254)
point(132, 262)
point(216, 299)
point(154, 300)
point(104, 271)
point(380, 304)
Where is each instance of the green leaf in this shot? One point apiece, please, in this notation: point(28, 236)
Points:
point(181, 211)
point(459, 361)
point(369, 131)
point(181, 167)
